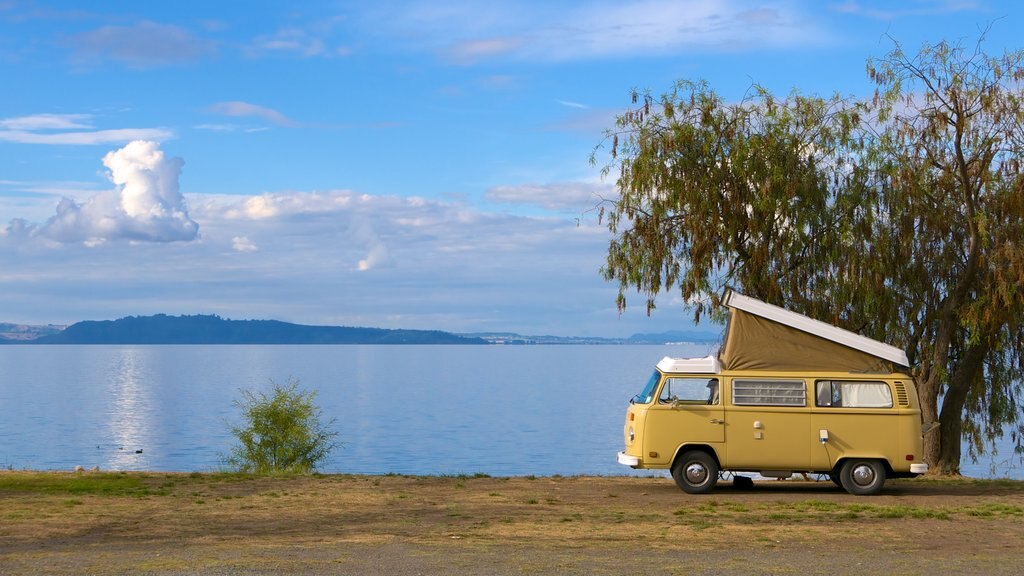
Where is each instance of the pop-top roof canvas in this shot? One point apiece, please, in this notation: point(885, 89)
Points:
point(764, 337)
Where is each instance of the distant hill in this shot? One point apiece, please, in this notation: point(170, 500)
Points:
point(671, 337)
point(676, 336)
point(209, 329)
point(20, 333)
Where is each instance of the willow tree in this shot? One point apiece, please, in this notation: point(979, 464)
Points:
point(898, 218)
point(948, 137)
point(714, 193)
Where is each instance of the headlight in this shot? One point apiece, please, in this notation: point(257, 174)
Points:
point(631, 435)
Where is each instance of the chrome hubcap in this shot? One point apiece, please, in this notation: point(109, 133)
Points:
point(696, 473)
point(863, 475)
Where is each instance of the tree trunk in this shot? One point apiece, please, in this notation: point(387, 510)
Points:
point(950, 428)
point(951, 417)
point(928, 393)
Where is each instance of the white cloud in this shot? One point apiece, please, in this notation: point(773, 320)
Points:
point(377, 254)
point(243, 244)
point(47, 122)
point(145, 204)
point(67, 129)
point(335, 257)
point(87, 138)
point(472, 51)
point(468, 32)
point(243, 109)
point(142, 45)
point(303, 40)
point(217, 127)
point(566, 196)
point(294, 41)
point(289, 204)
point(893, 11)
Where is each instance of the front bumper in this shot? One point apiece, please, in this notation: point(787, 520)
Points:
point(627, 460)
point(918, 468)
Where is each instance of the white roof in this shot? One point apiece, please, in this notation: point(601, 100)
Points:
point(706, 365)
point(816, 327)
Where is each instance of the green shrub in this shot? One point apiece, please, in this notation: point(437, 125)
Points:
point(282, 431)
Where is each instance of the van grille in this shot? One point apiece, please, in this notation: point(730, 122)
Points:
point(901, 394)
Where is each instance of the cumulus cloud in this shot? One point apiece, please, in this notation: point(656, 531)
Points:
point(378, 254)
point(426, 263)
point(145, 204)
point(243, 244)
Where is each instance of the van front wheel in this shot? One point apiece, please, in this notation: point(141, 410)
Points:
point(862, 477)
point(695, 472)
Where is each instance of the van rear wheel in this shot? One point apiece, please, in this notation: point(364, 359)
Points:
point(695, 472)
point(862, 477)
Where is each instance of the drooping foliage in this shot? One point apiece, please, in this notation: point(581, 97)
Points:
point(899, 218)
point(715, 194)
point(947, 147)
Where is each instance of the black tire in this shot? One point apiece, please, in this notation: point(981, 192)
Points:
point(834, 477)
point(695, 472)
point(862, 477)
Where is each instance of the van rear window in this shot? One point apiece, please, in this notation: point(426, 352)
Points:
point(769, 392)
point(852, 394)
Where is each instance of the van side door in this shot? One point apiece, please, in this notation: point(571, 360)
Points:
point(768, 424)
point(688, 411)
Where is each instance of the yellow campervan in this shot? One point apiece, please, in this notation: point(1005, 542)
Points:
point(785, 394)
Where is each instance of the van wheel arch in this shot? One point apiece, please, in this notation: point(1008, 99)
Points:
point(862, 476)
point(695, 469)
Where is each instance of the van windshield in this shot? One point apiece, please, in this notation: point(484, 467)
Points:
point(647, 396)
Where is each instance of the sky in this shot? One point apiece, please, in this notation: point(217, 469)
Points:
point(418, 164)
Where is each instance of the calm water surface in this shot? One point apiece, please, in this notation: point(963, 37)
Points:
point(499, 410)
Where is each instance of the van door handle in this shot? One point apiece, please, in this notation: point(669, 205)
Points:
point(717, 421)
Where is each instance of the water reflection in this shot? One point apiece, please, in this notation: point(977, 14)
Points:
point(131, 408)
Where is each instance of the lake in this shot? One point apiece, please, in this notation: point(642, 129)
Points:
point(498, 410)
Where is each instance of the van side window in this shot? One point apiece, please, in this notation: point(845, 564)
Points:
point(852, 394)
point(690, 391)
point(769, 392)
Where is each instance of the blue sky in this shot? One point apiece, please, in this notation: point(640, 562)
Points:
point(390, 164)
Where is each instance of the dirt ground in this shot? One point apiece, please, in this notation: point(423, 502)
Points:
point(176, 524)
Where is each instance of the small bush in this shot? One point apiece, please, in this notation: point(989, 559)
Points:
point(282, 431)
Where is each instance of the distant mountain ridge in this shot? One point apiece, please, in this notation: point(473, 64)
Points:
point(211, 329)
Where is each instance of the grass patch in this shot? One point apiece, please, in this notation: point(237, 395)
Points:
point(994, 509)
point(101, 484)
point(825, 511)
